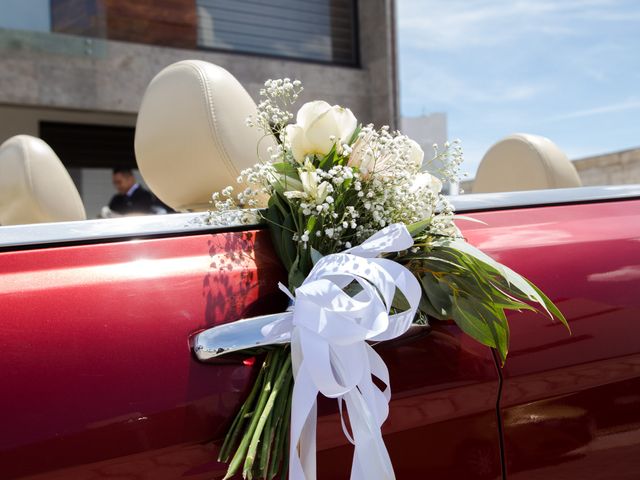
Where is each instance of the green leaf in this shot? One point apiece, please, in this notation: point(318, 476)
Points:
point(355, 135)
point(280, 203)
point(315, 255)
point(437, 294)
point(273, 219)
point(286, 241)
point(551, 307)
point(514, 279)
point(427, 308)
point(286, 168)
point(466, 285)
point(290, 179)
point(329, 159)
point(417, 228)
point(311, 223)
point(484, 323)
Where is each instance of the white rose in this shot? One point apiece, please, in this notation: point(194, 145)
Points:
point(361, 156)
point(416, 155)
point(424, 180)
point(319, 126)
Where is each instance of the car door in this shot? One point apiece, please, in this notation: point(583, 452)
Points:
point(99, 381)
point(570, 405)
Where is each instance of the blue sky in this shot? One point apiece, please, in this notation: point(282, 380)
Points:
point(565, 69)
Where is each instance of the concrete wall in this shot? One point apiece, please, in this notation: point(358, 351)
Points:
point(15, 120)
point(94, 184)
point(426, 130)
point(62, 71)
point(618, 168)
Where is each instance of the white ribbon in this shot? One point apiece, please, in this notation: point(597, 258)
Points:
point(329, 330)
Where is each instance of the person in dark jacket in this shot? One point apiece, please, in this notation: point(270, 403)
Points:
point(131, 196)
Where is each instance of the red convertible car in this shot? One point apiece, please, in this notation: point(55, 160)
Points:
point(99, 380)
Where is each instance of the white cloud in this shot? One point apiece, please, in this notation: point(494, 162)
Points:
point(442, 86)
point(457, 24)
point(629, 104)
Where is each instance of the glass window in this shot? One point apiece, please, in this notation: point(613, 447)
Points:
point(312, 30)
point(34, 15)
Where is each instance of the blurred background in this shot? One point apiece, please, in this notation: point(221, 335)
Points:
point(73, 72)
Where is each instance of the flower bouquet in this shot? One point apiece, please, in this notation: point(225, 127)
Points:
point(370, 246)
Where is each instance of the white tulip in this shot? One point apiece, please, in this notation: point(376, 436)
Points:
point(319, 126)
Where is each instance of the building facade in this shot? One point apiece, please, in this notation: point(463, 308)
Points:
point(73, 72)
point(427, 130)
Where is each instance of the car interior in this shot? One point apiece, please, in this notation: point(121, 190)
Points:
point(524, 162)
point(191, 136)
point(35, 187)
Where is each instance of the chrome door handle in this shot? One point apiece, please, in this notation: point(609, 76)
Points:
point(246, 334)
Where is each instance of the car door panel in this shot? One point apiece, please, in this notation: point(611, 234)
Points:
point(99, 381)
point(571, 404)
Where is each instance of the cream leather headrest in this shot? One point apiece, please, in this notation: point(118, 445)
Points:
point(524, 162)
point(191, 136)
point(34, 185)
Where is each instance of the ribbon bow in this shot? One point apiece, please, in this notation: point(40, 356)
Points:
point(328, 330)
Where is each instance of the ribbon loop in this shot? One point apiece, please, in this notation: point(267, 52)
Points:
point(330, 328)
point(344, 302)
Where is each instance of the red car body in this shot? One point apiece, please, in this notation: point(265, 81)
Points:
point(98, 379)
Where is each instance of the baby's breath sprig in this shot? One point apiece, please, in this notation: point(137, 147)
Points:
point(276, 97)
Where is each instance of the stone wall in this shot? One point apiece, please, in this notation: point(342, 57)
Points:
point(618, 168)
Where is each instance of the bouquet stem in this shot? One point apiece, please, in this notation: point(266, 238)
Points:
point(264, 417)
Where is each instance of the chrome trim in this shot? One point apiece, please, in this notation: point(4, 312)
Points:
point(123, 227)
point(495, 201)
point(245, 334)
point(132, 227)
